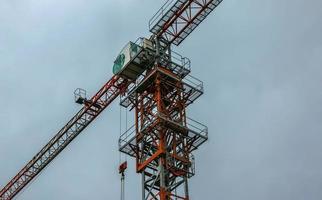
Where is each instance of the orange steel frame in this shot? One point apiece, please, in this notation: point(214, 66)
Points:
point(185, 16)
point(157, 144)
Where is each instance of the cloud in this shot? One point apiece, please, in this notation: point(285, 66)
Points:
point(261, 67)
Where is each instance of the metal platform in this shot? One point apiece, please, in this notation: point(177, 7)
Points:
point(80, 96)
point(178, 64)
point(167, 11)
point(145, 57)
point(192, 88)
point(195, 133)
point(127, 142)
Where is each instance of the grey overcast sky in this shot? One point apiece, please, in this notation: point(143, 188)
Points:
point(261, 63)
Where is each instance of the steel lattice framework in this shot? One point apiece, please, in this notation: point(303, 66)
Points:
point(163, 138)
point(176, 20)
point(157, 85)
point(76, 125)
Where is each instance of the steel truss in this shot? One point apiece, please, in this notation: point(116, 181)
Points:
point(91, 109)
point(178, 18)
point(162, 140)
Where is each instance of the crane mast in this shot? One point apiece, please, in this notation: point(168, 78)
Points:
point(155, 82)
point(163, 138)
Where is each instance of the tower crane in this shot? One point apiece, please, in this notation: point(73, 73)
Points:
point(155, 82)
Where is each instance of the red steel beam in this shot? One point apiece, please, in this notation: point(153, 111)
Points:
point(186, 19)
point(74, 127)
point(190, 20)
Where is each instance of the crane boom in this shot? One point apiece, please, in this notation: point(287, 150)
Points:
point(176, 19)
point(91, 109)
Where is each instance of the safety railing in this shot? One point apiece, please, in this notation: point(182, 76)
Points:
point(179, 59)
point(172, 60)
point(127, 136)
point(194, 82)
point(160, 12)
point(197, 127)
point(177, 63)
point(80, 95)
point(144, 43)
point(197, 132)
point(169, 8)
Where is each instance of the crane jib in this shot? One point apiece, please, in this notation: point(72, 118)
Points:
point(73, 128)
point(180, 18)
